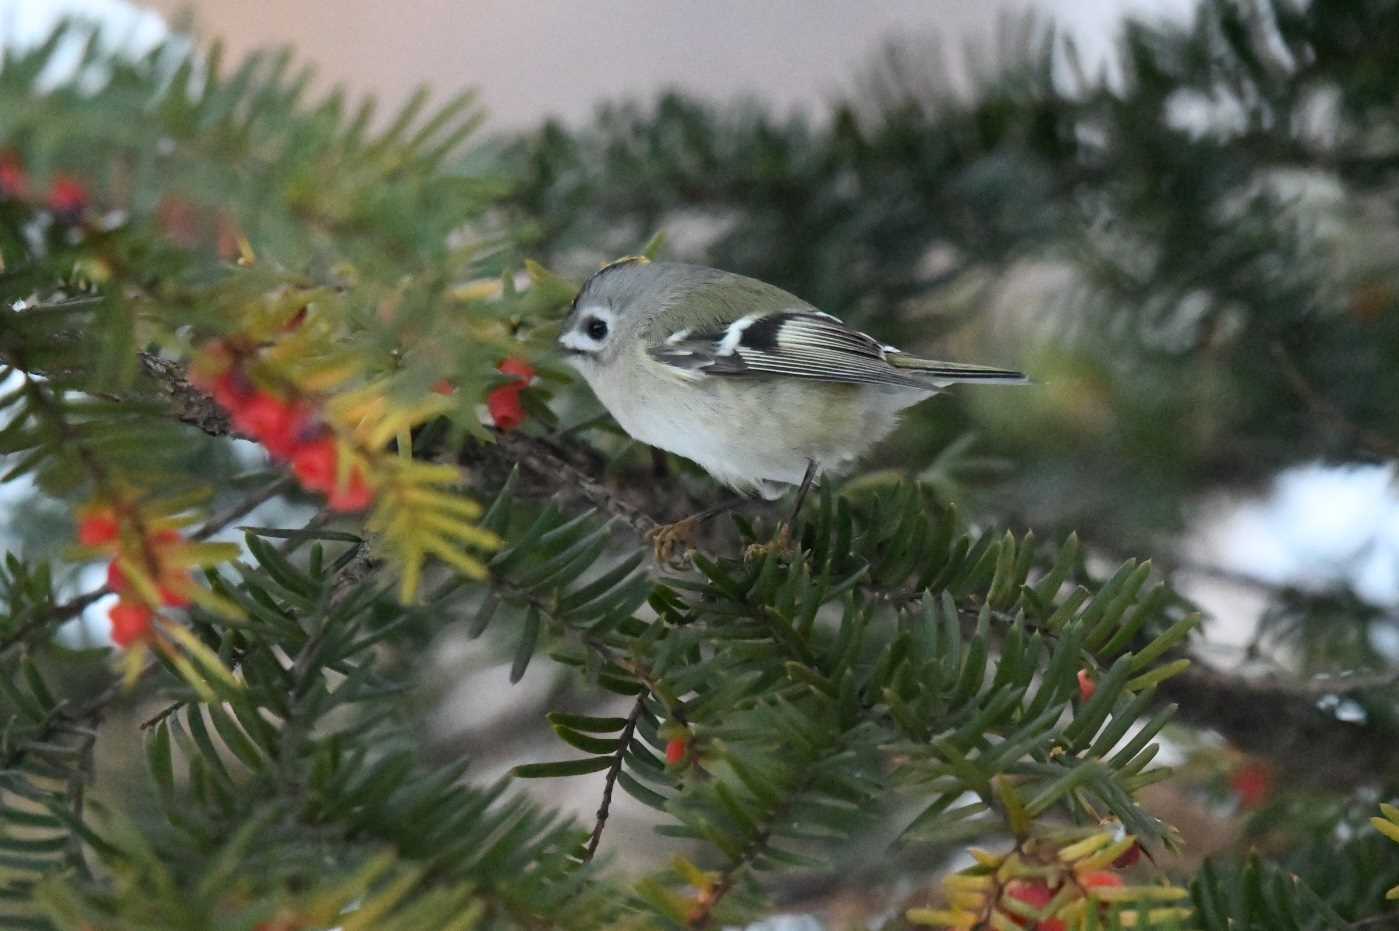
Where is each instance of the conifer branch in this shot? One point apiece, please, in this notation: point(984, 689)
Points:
point(1293, 727)
point(52, 615)
point(547, 463)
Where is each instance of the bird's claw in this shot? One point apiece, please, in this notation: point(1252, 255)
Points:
point(673, 543)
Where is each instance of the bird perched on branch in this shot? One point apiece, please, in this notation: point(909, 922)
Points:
point(758, 387)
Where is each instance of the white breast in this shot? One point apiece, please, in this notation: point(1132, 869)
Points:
point(747, 433)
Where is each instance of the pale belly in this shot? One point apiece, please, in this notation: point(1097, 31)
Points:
point(756, 435)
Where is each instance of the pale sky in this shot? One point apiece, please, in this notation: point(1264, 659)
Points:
point(531, 58)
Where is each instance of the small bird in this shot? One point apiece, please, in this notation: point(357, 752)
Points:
point(755, 385)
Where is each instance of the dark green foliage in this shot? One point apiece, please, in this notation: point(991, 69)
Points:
point(43, 756)
point(1255, 896)
point(816, 692)
point(903, 679)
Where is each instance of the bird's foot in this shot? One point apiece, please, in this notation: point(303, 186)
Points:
point(781, 544)
point(673, 543)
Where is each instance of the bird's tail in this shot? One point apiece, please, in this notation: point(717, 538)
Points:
point(949, 372)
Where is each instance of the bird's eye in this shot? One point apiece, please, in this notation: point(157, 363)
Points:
point(597, 329)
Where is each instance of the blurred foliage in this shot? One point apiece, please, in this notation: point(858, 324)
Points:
point(1192, 257)
point(1203, 242)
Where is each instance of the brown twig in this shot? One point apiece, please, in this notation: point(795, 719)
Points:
point(547, 462)
point(241, 508)
point(1377, 443)
point(187, 403)
point(53, 615)
point(613, 772)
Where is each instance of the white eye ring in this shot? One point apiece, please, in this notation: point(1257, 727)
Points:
point(581, 337)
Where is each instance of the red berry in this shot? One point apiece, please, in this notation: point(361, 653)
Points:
point(1033, 893)
point(172, 599)
point(517, 367)
point(354, 495)
point(271, 421)
point(172, 587)
point(1253, 784)
point(98, 527)
point(314, 464)
point(676, 749)
point(131, 623)
point(1129, 857)
point(260, 413)
point(504, 402)
point(67, 197)
point(167, 537)
point(13, 182)
point(1087, 688)
point(1050, 924)
point(1100, 879)
point(506, 410)
point(116, 579)
point(232, 389)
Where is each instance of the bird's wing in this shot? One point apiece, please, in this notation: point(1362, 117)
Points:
point(808, 344)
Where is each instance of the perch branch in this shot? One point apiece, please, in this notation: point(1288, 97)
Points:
point(1260, 716)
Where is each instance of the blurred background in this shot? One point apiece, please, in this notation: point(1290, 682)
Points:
point(537, 60)
point(1195, 258)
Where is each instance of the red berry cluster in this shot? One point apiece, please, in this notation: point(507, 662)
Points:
point(1037, 893)
point(290, 429)
point(131, 617)
point(507, 412)
point(67, 198)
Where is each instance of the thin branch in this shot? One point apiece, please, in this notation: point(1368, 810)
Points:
point(53, 615)
point(162, 714)
point(187, 403)
point(89, 714)
point(1275, 721)
point(1348, 683)
point(1376, 443)
point(242, 508)
point(613, 772)
point(1375, 921)
point(547, 462)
